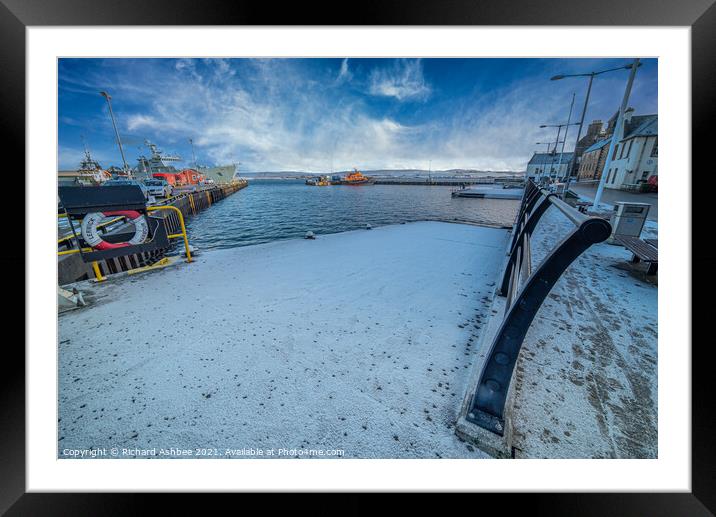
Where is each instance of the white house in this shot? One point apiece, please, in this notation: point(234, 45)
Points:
point(555, 165)
point(635, 157)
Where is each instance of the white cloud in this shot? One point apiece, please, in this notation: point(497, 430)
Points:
point(139, 121)
point(403, 81)
point(283, 115)
point(281, 121)
point(344, 74)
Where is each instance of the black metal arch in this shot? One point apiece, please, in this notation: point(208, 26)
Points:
point(525, 298)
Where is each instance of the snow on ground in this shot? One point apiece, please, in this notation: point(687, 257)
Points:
point(359, 341)
point(587, 377)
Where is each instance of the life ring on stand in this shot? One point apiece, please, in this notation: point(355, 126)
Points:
point(93, 239)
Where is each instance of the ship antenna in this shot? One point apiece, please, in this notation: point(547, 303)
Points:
point(84, 144)
point(191, 141)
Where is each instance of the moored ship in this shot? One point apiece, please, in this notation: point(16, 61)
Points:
point(220, 173)
point(357, 178)
point(89, 173)
point(156, 163)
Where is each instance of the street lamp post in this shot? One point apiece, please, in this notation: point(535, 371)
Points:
point(547, 144)
point(566, 130)
point(591, 76)
point(557, 141)
point(618, 131)
point(114, 124)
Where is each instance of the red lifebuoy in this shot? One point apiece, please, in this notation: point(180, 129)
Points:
point(92, 237)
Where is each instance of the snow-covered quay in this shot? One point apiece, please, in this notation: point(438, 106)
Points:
point(359, 342)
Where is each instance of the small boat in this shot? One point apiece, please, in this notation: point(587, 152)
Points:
point(321, 181)
point(357, 178)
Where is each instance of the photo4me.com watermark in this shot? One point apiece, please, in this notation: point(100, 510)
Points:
point(201, 452)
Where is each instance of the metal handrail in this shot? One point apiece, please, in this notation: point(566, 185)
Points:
point(181, 223)
point(525, 288)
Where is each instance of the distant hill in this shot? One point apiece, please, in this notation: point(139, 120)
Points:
point(392, 173)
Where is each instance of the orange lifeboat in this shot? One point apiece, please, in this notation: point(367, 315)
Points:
point(357, 178)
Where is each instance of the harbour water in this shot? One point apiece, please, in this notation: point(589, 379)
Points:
point(270, 210)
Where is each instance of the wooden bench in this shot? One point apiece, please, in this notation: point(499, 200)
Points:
point(641, 250)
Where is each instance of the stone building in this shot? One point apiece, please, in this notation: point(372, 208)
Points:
point(594, 134)
point(592, 162)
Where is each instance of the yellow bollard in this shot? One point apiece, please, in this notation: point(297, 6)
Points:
point(97, 272)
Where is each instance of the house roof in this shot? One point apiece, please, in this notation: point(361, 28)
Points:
point(645, 125)
point(597, 145)
point(549, 158)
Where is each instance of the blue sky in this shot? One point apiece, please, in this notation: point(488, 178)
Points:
point(314, 114)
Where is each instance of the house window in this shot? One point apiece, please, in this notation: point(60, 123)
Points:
point(629, 150)
point(614, 178)
point(655, 149)
point(616, 148)
point(609, 175)
point(644, 175)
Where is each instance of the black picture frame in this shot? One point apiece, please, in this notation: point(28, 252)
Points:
point(700, 15)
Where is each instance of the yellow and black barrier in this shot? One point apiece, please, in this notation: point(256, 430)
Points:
point(173, 211)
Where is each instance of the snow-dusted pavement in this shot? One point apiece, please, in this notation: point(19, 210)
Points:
point(587, 377)
point(360, 341)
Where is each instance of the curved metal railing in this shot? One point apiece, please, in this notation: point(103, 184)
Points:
point(525, 289)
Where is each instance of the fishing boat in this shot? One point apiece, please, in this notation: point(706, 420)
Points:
point(357, 178)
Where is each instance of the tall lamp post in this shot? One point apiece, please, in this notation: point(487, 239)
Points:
point(557, 140)
point(561, 155)
point(114, 124)
point(618, 131)
point(591, 76)
point(547, 144)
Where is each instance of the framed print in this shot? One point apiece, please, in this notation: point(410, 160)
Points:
point(416, 252)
